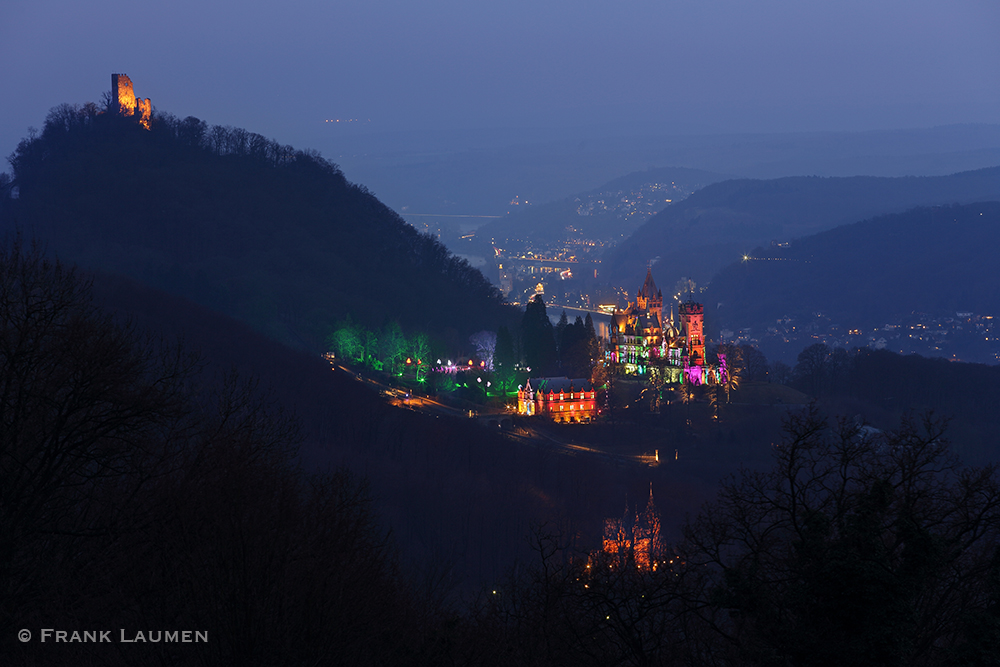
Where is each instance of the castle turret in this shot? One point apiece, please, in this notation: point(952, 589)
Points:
point(649, 298)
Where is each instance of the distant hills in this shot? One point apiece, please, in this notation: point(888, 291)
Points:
point(273, 236)
point(478, 171)
point(939, 259)
point(722, 221)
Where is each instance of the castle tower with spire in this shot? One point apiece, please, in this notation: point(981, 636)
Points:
point(649, 298)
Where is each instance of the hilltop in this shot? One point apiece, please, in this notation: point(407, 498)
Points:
point(274, 236)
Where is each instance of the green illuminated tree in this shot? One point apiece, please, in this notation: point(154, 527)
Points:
point(347, 341)
point(370, 341)
point(421, 355)
point(393, 347)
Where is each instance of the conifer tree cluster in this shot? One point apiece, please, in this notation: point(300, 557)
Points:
point(564, 349)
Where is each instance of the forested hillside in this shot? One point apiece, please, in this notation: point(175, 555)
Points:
point(722, 221)
point(930, 260)
point(274, 236)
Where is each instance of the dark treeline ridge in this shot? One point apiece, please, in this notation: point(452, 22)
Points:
point(274, 236)
point(565, 349)
point(936, 260)
point(719, 223)
point(883, 386)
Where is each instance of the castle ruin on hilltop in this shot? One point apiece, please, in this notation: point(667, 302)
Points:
point(126, 103)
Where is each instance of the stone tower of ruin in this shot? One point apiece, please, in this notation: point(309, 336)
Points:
point(126, 102)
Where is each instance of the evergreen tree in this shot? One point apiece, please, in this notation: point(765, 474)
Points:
point(421, 355)
point(538, 338)
point(560, 332)
point(812, 370)
point(574, 353)
point(592, 341)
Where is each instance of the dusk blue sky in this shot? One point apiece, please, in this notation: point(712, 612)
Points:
point(282, 69)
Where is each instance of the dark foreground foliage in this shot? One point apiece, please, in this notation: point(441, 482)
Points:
point(135, 496)
point(882, 385)
point(857, 548)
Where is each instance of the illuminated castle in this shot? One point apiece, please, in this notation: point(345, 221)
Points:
point(641, 339)
point(126, 103)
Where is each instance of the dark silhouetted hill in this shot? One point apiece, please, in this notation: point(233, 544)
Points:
point(274, 236)
point(931, 260)
point(437, 483)
point(722, 221)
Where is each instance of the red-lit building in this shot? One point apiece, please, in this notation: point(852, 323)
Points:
point(562, 399)
point(693, 324)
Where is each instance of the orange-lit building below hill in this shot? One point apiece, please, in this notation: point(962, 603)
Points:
point(562, 399)
point(635, 538)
